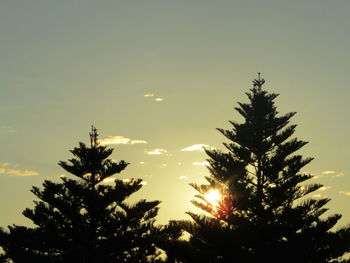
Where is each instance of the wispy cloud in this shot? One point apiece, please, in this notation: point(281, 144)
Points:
point(331, 173)
point(317, 196)
point(157, 152)
point(7, 129)
point(15, 172)
point(138, 142)
point(120, 140)
point(143, 182)
point(196, 147)
point(341, 174)
point(128, 180)
point(205, 163)
point(152, 96)
point(328, 172)
point(183, 177)
point(344, 193)
point(109, 180)
point(324, 188)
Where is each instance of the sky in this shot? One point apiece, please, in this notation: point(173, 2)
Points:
point(157, 77)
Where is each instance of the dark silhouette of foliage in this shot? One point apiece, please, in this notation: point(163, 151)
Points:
point(85, 220)
point(263, 214)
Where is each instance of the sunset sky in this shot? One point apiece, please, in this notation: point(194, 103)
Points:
point(157, 78)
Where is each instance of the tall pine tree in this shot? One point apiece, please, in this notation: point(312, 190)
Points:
point(85, 220)
point(256, 203)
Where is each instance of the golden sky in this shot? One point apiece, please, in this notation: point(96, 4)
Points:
point(157, 78)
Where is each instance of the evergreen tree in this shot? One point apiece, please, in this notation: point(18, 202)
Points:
point(85, 220)
point(263, 213)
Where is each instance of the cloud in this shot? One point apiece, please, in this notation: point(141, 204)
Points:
point(120, 140)
point(152, 95)
point(128, 180)
point(324, 188)
point(183, 177)
point(317, 196)
point(196, 147)
point(344, 193)
point(7, 129)
point(5, 164)
point(109, 180)
point(115, 140)
point(316, 176)
point(142, 163)
point(15, 172)
point(205, 163)
point(328, 172)
point(157, 152)
point(62, 176)
point(340, 174)
point(144, 183)
point(138, 142)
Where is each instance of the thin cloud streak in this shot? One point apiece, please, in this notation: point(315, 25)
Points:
point(152, 95)
point(340, 174)
point(157, 152)
point(120, 140)
point(15, 172)
point(331, 173)
point(328, 172)
point(324, 188)
point(7, 129)
point(128, 180)
point(109, 180)
point(196, 147)
point(205, 163)
point(138, 142)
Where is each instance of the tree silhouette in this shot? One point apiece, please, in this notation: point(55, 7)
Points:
point(85, 220)
point(262, 213)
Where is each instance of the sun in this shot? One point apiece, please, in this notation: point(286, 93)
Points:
point(213, 197)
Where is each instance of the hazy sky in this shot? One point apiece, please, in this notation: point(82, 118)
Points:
point(65, 65)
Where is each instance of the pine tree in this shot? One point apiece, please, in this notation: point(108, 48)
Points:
point(86, 220)
point(263, 213)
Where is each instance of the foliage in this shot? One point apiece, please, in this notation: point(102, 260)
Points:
point(86, 220)
point(264, 214)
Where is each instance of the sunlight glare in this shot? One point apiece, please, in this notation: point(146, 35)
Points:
point(213, 197)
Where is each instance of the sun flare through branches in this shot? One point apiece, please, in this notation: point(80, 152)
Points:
point(213, 197)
